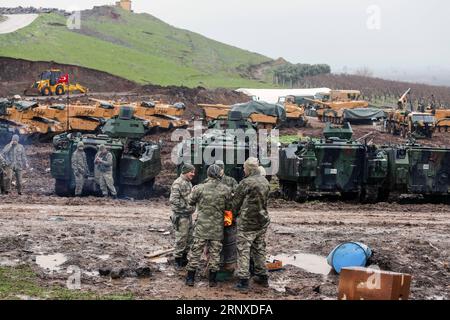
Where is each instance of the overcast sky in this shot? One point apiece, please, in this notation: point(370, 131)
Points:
point(379, 34)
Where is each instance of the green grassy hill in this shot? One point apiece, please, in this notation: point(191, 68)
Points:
point(137, 47)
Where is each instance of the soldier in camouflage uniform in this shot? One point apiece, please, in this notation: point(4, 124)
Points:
point(250, 206)
point(212, 198)
point(182, 214)
point(3, 168)
point(227, 180)
point(16, 160)
point(79, 167)
point(104, 166)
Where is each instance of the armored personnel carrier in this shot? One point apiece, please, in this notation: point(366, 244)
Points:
point(416, 169)
point(334, 164)
point(220, 141)
point(136, 163)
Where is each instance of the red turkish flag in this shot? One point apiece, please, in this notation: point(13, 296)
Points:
point(64, 79)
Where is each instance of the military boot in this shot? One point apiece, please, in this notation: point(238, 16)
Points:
point(262, 281)
point(212, 278)
point(190, 278)
point(242, 285)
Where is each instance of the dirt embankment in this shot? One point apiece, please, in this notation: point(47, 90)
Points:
point(16, 75)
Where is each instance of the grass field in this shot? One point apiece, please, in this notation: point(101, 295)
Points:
point(137, 47)
point(22, 283)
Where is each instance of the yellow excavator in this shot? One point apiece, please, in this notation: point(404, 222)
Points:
point(54, 82)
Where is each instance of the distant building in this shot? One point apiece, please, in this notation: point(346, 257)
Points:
point(124, 4)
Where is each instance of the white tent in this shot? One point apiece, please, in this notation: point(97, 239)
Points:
point(272, 95)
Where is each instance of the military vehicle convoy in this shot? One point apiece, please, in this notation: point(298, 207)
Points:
point(136, 163)
point(42, 122)
point(369, 173)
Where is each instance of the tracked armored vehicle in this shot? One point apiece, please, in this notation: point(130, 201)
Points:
point(415, 169)
point(335, 164)
point(221, 142)
point(136, 163)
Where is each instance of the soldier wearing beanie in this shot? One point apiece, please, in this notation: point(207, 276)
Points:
point(182, 214)
point(211, 198)
point(79, 167)
point(250, 206)
point(16, 161)
point(104, 169)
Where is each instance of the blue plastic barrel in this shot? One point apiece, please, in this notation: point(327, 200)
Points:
point(349, 254)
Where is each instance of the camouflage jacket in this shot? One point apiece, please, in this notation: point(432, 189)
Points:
point(250, 203)
point(212, 198)
point(15, 156)
point(230, 182)
point(106, 164)
point(179, 193)
point(3, 163)
point(79, 163)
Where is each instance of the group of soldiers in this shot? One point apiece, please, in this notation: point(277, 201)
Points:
point(103, 170)
point(13, 161)
point(210, 200)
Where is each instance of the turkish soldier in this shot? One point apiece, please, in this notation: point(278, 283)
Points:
point(79, 167)
point(182, 213)
point(3, 168)
point(227, 180)
point(250, 206)
point(16, 160)
point(104, 166)
point(212, 198)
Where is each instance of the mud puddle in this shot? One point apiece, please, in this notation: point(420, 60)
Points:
point(308, 262)
point(51, 262)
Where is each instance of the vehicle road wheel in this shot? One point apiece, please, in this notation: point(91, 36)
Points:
point(59, 90)
point(46, 92)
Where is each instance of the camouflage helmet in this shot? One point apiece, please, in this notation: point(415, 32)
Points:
point(102, 147)
point(80, 144)
point(214, 171)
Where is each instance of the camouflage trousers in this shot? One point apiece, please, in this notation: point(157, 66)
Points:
point(195, 254)
point(251, 244)
point(79, 183)
point(183, 234)
point(7, 179)
point(106, 182)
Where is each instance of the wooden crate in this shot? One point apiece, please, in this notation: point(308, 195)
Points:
point(358, 283)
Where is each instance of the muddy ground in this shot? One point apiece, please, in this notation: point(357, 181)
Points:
point(115, 235)
point(100, 234)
